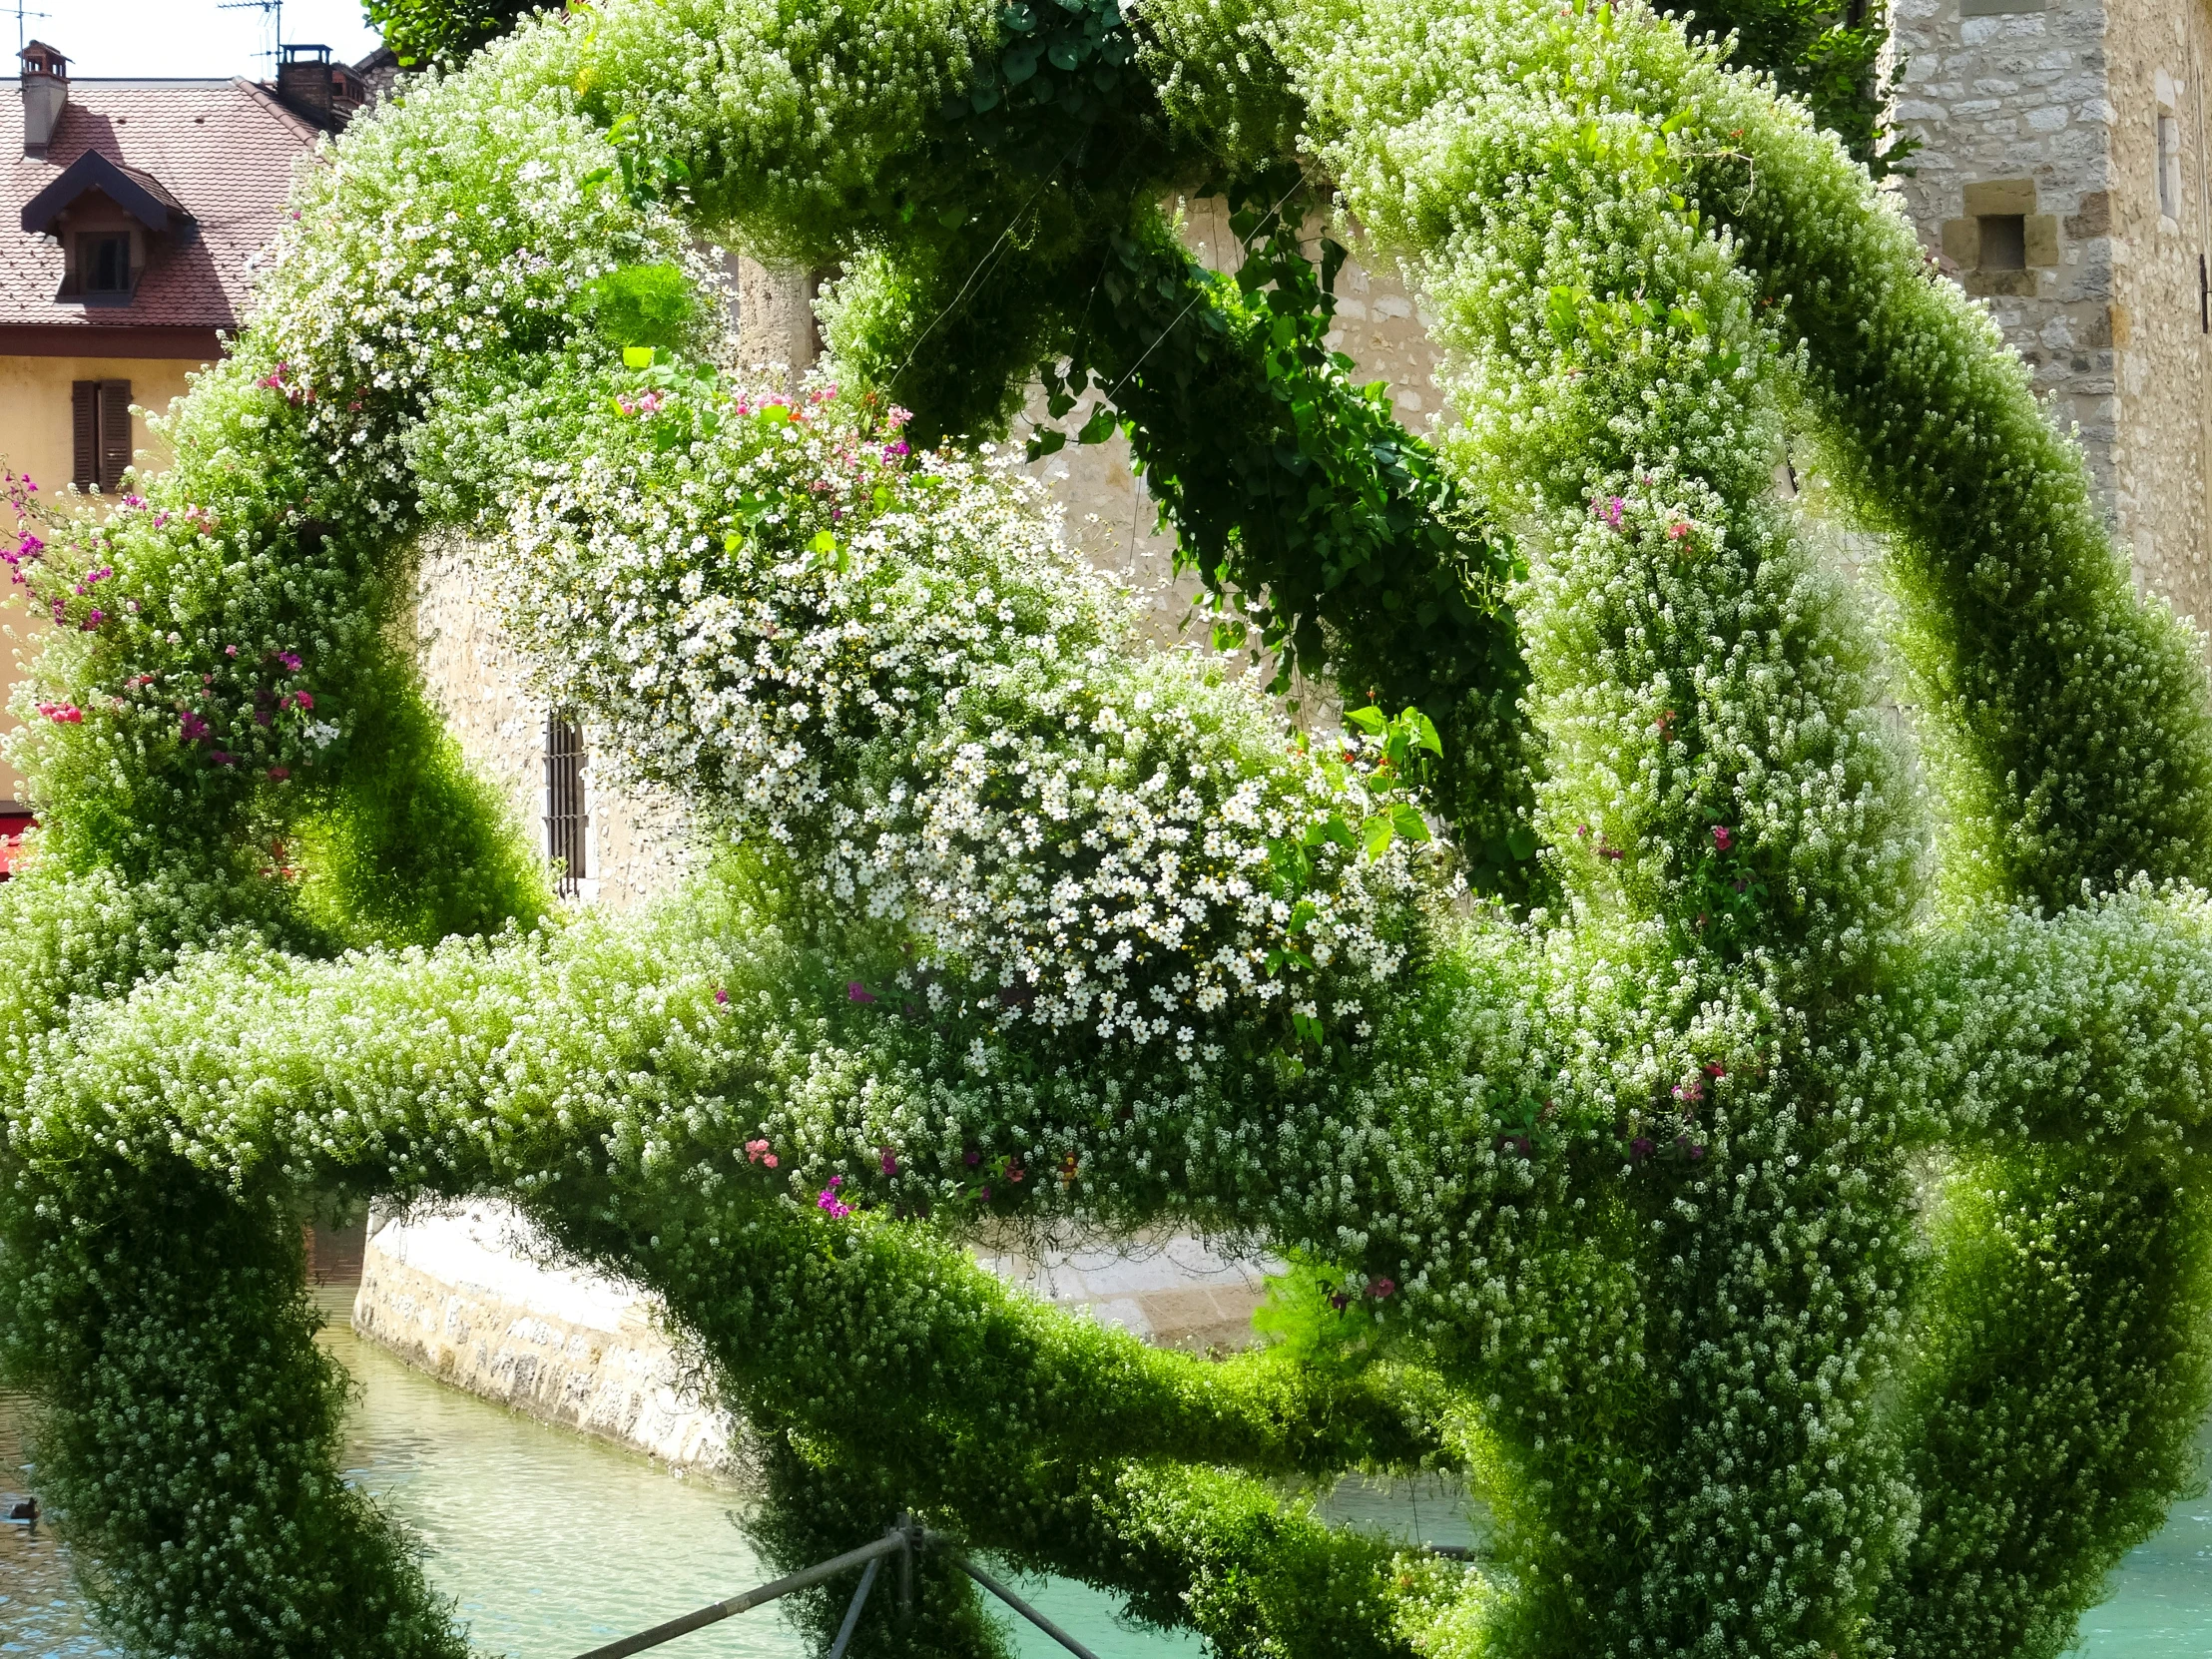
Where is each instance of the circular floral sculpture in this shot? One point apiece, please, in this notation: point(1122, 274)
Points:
point(1775, 1193)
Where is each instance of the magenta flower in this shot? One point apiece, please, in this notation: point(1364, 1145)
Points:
point(854, 991)
point(1723, 836)
point(1382, 1288)
point(191, 728)
point(722, 997)
point(829, 1204)
point(889, 1161)
point(222, 757)
point(66, 714)
point(291, 660)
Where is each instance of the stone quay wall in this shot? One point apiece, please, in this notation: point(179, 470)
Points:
point(471, 1295)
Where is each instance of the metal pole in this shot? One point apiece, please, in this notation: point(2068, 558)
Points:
point(852, 1613)
point(751, 1598)
point(1010, 1598)
point(910, 1532)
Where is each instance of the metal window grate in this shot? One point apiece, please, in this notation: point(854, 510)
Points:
point(564, 808)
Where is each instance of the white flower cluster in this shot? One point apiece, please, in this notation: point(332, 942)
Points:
point(894, 668)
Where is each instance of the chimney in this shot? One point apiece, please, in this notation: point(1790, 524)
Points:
point(45, 95)
point(303, 83)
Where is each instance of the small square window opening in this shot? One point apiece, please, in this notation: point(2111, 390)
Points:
point(2003, 241)
point(104, 264)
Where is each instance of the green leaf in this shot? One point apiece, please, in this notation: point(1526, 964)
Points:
point(637, 356)
point(1099, 427)
point(1046, 441)
point(1424, 732)
point(1369, 720)
point(1520, 841)
point(1405, 818)
point(1378, 834)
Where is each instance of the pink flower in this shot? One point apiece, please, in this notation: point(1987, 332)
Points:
point(190, 726)
point(92, 621)
point(1723, 836)
point(1678, 529)
point(291, 660)
point(829, 1204)
point(754, 1150)
point(302, 699)
point(229, 651)
point(722, 997)
point(279, 773)
point(66, 714)
point(890, 1162)
point(854, 991)
point(1382, 1288)
point(222, 757)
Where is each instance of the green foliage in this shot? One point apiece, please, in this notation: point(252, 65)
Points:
point(644, 304)
point(1828, 55)
point(1800, 1258)
point(442, 31)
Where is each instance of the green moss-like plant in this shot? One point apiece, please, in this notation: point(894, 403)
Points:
point(1784, 1215)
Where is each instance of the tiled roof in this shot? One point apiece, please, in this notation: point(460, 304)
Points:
point(226, 150)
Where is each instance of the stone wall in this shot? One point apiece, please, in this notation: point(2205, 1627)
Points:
point(2039, 184)
point(472, 1294)
point(465, 1295)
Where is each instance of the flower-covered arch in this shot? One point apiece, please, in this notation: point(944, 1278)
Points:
point(1769, 1181)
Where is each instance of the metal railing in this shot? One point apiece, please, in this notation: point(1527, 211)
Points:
point(905, 1540)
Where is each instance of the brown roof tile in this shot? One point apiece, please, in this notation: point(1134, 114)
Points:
point(226, 150)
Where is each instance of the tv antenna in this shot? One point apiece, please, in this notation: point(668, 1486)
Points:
point(273, 10)
point(22, 38)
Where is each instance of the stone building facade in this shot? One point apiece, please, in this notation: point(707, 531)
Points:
point(2060, 175)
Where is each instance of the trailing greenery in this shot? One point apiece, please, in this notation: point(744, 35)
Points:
point(1785, 1214)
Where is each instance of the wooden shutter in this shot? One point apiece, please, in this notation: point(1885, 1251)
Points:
point(115, 433)
point(84, 408)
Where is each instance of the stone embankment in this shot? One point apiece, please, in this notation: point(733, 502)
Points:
point(469, 1294)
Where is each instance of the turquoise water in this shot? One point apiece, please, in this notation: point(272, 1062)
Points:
point(550, 1543)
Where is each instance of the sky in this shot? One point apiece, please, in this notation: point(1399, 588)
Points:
point(185, 37)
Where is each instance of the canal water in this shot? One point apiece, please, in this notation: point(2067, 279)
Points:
point(551, 1543)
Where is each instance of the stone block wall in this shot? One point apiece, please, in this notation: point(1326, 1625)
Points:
point(2060, 179)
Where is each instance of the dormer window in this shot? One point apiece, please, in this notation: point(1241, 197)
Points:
point(110, 219)
point(105, 262)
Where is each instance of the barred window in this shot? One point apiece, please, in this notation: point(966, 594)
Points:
point(565, 811)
